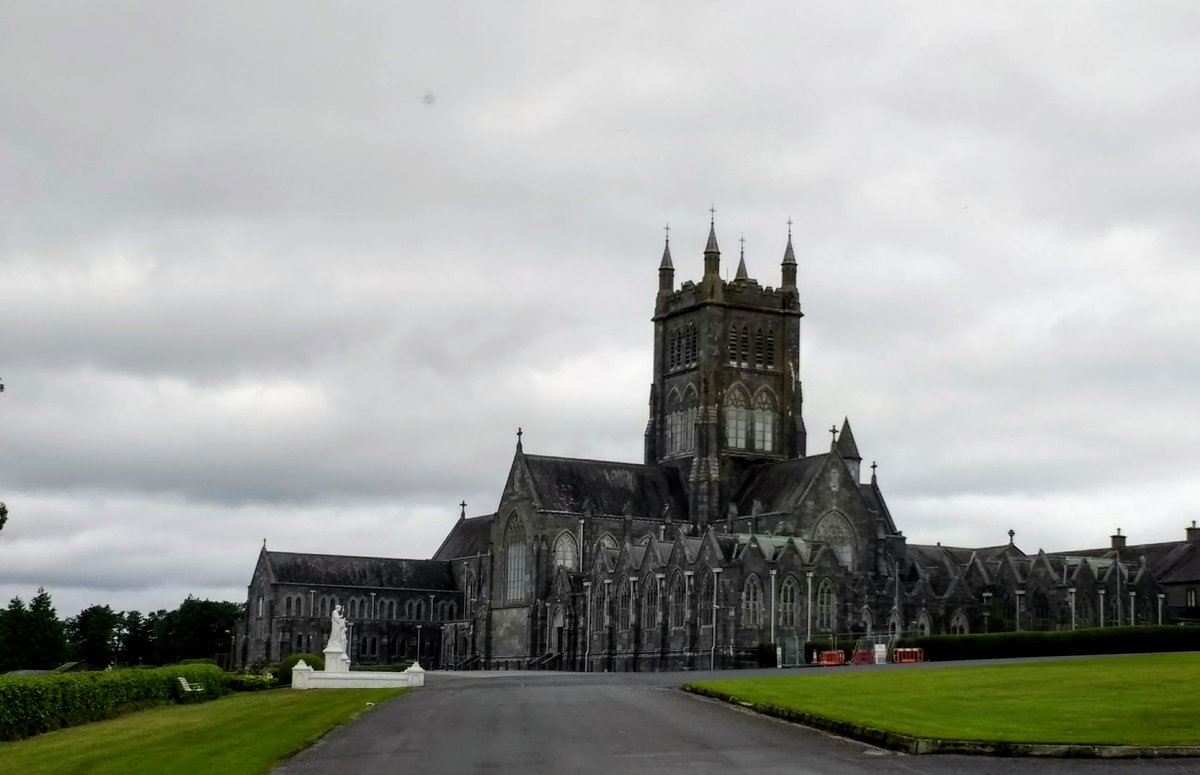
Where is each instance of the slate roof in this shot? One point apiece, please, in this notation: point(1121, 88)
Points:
point(467, 538)
point(777, 485)
point(1171, 562)
point(341, 571)
point(563, 484)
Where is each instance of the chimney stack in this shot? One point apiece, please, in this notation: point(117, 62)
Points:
point(1118, 541)
point(1193, 532)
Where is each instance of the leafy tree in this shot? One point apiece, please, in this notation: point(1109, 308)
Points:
point(14, 647)
point(91, 636)
point(198, 629)
point(3, 508)
point(135, 639)
point(44, 637)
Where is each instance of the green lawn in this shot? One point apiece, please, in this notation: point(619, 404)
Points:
point(242, 733)
point(1137, 700)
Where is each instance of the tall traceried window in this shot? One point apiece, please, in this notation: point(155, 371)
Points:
point(678, 600)
point(736, 415)
point(789, 602)
point(752, 602)
point(705, 599)
point(834, 531)
point(826, 606)
point(745, 359)
point(566, 553)
point(674, 430)
point(759, 349)
point(733, 346)
point(765, 419)
point(650, 603)
point(621, 604)
point(598, 606)
point(692, 342)
point(770, 350)
point(687, 433)
point(514, 560)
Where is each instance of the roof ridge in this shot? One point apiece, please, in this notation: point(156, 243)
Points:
point(594, 460)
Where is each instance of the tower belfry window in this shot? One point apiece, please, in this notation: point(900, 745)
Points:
point(745, 346)
point(691, 359)
point(759, 346)
point(770, 350)
point(733, 346)
point(765, 420)
point(736, 415)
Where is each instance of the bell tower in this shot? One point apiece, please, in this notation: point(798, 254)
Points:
point(726, 393)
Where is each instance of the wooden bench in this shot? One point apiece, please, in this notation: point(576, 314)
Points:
point(190, 687)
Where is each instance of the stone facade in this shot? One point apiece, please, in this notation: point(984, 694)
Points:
point(728, 545)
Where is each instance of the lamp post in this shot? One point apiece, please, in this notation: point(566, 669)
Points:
point(712, 658)
point(418, 644)
point(1020, 599)
point(1101, 606)
point(1161, 597)
point(1071, 592)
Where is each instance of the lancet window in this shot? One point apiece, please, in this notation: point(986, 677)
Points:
point(789, 602)
point(514, 565)
point(826, 606)
point(752, 602)
point(736, 417)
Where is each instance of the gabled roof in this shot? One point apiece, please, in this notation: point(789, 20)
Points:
point(343, 571)
point(565, 484)
point(1180, 565)
point(777, 485)
point(467, 538)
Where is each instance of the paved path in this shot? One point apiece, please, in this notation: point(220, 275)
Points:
point(610, 724)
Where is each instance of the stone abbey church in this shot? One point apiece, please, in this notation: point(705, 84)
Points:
point(731, 541)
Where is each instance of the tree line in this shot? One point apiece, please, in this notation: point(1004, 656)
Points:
point(33, 638)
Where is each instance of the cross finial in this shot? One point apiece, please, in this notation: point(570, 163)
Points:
point(520, 433)
point(667, 229)
point(712, 214)
point(742, 240)
point(833, 431)
point(463, 506)
point(789, 223)
point(874, 465)
point(264, 543)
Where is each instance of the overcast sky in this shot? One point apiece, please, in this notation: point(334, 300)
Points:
point(298, 271)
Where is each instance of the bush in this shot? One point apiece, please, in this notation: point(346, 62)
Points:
point(30, 705)
point(239, 682)
point(1099, 640)
point(283, 671)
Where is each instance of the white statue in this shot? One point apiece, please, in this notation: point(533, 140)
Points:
point(337, 630)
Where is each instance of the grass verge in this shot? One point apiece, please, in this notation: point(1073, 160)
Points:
point(243, 734)
point(1151, 700)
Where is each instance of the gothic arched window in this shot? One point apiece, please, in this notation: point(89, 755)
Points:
point(1041, 611)
point(650, 603)
point(834, 531)
point(288, 607)
point(598, 607)
point(566, 553)
point(622, 604)
point(678, 600)
point(420, 610)
point(826, 605)
point(733, 346)
point(789, 602)
point(1083, 610)
point(514, 560)
point(452, 612)
point(736, 415)
point(765, 420)
point(959, 625)
point(674, 423)
point(759, 347)
point(692, 340)
point(705, 602)
point(745, 359)
point(752, 602)
point(770, 350)
point(687, 431)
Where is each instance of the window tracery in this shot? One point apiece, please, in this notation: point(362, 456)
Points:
point(826, 605)
point(834, 531)
point(789, 602)
point(752, 602)
point(736, 416)
point(514, 552)
point(566, 553)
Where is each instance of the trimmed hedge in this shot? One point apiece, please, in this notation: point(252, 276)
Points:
point(30, 705)
point(283, 671)
point(1098, 640)
point(239, 682)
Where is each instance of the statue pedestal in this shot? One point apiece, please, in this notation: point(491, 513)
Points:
point(336, 661)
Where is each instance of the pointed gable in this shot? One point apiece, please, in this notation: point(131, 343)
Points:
point(778, 486)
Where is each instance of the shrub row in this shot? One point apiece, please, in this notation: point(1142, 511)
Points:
point(283, 671)
point(30, 705)
point(240, 682)
point(1099, 640)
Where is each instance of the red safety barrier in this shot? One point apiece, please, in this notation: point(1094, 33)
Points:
point(831, 658)
point(906, 656)
point(863, 657)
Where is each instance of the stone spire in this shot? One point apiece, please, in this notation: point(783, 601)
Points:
point(712, 253)
point(789, 261)
point(666, 269)
point(848, 449)
point(741, 270)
